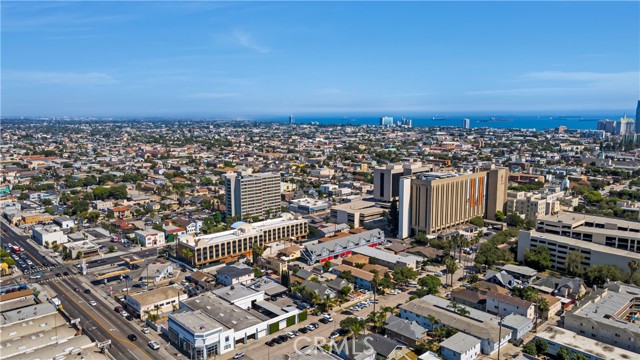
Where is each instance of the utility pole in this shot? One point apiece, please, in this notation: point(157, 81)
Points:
point(499, 335)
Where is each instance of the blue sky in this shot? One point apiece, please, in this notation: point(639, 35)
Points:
point(273, 58)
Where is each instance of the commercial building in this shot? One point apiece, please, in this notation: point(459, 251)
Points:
point(466, 123)
point(606, 125)
point(149, 238)
point(609, 315)
point(433, 202)
point(48, 234)
point(157, 301)
point(386, 179)
point(308, 205)
point(334, 249)
point(226, 245)
point(357, 213)
point(249, 195)
point(387, 259)
point(386, 121)
point(83, 249)
point(208, 325)
point(624, 126)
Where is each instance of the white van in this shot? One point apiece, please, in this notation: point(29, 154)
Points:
point(412, 284)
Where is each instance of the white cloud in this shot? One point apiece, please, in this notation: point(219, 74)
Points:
point(65, 78)
point(584, 76)
point(246, 40)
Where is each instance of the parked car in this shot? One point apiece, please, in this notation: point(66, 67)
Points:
point(303, 330)
point(145, 330)
point(327, 317)
point(270, 343)
point(93, 303)
point(132, 337)
point(154, 345)
point(87, 291)
point(290, 335)
point(238, 355)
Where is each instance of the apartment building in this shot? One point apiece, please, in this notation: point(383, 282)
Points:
point(215, 248)
point(504, 305)
point(608, 315)
point(150, 238)
point(433, 202)
point(249, 195)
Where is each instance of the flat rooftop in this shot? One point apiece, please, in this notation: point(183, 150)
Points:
point(234, 293)
point(196, 321)
point(156, 295)
point(18, 345)
point(583, 244)
point(228, 315)
point(27, 313)
point(609, 306)
point(81, 345)
point(574, 341)
point(245, 229)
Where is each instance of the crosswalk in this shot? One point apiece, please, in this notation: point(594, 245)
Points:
point(42, 269)
point(44, 281)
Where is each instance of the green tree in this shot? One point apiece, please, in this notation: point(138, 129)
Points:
point(402, 274)
point(634, 265)
point(326, 266)
point(344, 292)
point(430, 283)
point(515, 220)
point(599, 274)
point(6, 258)
point(354, 325)
point(538, 258)
point(563, 354)
point(79, 255)
point(285, 279)
point(101, 193)
point(451, 266)
point(541, 346)
point(346, 275)
point(500, 216)
point(394, 216)
point(477, 221)
point(112, 248)
point(256, 252)
point(574, 263)
point(530, 348)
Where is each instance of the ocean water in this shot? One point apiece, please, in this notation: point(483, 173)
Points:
point(504, 122)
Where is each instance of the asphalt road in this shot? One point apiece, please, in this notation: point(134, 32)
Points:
point(118, 259)
point(10, 236)
point(101, 322)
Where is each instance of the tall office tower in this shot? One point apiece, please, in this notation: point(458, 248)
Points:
point(624, 126)
point(386, 121)
point(497, 187)
point(466, 123)
point(292, 120)
point(608, 126)
point(249, 195)
point(386, 179)
point(638, 118)
point(434, 202)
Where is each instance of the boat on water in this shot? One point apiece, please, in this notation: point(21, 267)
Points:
point(439, 117)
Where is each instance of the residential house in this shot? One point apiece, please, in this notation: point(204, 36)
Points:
point(234, 274)
point(504, 305)
point(460, 346)
point(150, 238)
point(203, 279)
point(501, 278)
point(321, 290)
point(119, 212)
point(404, 331)
point(362, 279)
point(190, 226)
point(473, 299)
point(519, 325)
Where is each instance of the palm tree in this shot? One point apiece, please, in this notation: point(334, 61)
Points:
point(356, 328)
point(433, 321)
point(377, 318)
point(634, 266)
point(450, 264)
point(256, 252)
point(328, 303)
point(149, 315)
point(388, 309)
point(187, 254)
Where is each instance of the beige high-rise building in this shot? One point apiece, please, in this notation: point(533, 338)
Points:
point(498, 183)
point(433, 202)
point(250, 195)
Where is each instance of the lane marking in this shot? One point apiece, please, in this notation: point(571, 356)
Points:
point(121, 340)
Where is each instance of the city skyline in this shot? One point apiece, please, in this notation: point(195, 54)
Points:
point(246, 59)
